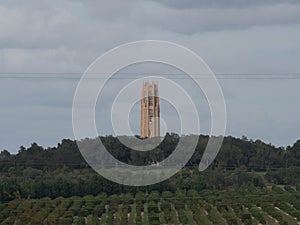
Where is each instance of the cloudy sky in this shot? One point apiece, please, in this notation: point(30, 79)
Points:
point(45, 46)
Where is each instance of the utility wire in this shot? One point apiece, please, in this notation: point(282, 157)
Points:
point(138, 73)
point(110, 165)
point(67, 75)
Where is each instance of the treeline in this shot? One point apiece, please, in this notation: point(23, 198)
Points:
point(61, 171)
point(68, 182)
point(234, 153)
point(65, 153)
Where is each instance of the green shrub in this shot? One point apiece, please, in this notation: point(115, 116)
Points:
point(78, 220)
point(257, 215)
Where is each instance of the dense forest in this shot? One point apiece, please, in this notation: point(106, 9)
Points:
point(62, 171)
point(235, 152)
point(250, 182)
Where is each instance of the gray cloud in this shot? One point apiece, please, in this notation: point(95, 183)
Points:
point(188, 4)
point(200, 20)
point(95, 25)
point(66, 36)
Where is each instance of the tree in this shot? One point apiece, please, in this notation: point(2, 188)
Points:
point(4, 154)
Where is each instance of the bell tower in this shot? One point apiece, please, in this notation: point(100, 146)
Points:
point(150, 110)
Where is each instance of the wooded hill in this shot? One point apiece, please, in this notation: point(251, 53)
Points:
point(61, 170)
point(235, 152)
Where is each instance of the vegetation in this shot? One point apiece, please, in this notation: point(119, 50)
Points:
point(249, 182)
point(234, 153)
point(206, 207)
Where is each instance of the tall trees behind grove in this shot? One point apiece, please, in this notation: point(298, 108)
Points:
point(234, 153)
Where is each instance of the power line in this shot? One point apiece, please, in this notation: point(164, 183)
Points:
point(110, 165)
point(136, 75)
point(175, 78)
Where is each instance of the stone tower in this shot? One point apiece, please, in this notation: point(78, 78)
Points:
point(150, 112)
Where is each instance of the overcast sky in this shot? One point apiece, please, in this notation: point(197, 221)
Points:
point(62, 37)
